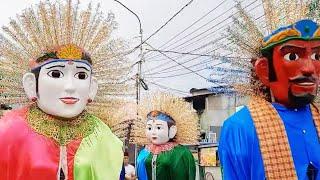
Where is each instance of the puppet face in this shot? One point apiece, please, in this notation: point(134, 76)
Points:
point(158, 131)
point(64, 87)
point(297, 67)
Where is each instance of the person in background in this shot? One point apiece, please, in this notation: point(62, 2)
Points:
point(130, 173)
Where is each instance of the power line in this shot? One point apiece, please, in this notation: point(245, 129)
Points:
point(154, 33)
point(207, 30)
point(188, 43)
point(194, 65)
point(197, 29)
point(149, 72)
point(172, 66)
point(187, 53)
point(193, 31)
point(263, 27)
point(161, 71)
point(191, 53)
point(189, 60)
point(232, 42)
point(182, 65)
point(192, 24)
point(221, 56)
point(168, 88)
point(195, 58)
point(217, 40)
point(184, 53)
point(174, 70)
point(214, 41)
point(178, 56)
point(176, 75)
point(211, 28)
point(225, 56)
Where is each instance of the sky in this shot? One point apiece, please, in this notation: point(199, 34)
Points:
point(159, 71)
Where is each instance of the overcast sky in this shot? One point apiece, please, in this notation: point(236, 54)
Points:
point(154, 13)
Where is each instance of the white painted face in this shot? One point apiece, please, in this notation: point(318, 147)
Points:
point(158, 132)
point(64, 88)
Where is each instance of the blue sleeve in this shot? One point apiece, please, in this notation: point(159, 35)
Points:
point(234, 147)
point(141, 168)
point(122, 173)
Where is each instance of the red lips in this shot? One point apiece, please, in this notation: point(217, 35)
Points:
point(303, 84)
point(69, 100)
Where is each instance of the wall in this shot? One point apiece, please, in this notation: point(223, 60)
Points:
point(218, 109)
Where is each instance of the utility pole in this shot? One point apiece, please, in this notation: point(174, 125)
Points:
point(139, 63)
point(139, 68)
point(139, 80)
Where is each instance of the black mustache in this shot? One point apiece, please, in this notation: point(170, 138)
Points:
point(302, 79)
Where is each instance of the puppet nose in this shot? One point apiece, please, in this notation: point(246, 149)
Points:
point(70, 86)
point(308, 68)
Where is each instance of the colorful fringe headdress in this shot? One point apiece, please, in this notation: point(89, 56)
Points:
point(177, 108)
point(248, 39)
point(62, 30)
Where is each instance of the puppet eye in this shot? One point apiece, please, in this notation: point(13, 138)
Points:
point(291, 56)
point(81, 75)
point(315, 56)
point(55, 74)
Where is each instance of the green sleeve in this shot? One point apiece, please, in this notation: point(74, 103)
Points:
point(99, 155)
point(185, 164)
point(190, 165)
point(176, 164)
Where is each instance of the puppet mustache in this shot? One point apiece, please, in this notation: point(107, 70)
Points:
point(301, 79)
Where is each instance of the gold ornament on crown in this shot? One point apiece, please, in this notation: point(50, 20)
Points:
point(185, 117)
point(42, 28)
point(69, 51)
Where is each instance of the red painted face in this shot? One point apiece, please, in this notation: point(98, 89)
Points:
point(297, 69)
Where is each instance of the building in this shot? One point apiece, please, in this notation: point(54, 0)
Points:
point(213, 106)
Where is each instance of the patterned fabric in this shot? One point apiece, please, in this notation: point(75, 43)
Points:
point(157, 149)
point(273, 140)
point(61, 131)
point(316, 118)
point(303, 29)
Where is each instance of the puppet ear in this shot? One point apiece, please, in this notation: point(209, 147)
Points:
point(29, 83)
point(172, 131)
point(262, 70)
point(93, 88)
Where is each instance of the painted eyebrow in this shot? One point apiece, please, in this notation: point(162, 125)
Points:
point(316, 48)
point(159, 124)
point(61, 66)
point(82, 67)
point(291, 47)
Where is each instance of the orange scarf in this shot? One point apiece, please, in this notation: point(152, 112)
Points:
point(273, 140)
